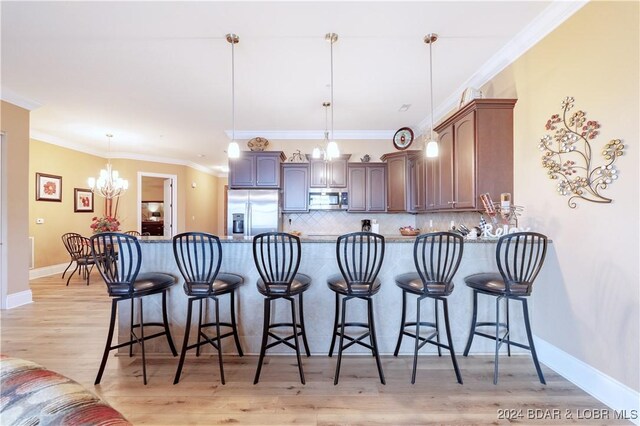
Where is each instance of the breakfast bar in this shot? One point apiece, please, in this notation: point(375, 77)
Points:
point(319, 262)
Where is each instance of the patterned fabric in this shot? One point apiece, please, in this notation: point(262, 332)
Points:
point(31, 395)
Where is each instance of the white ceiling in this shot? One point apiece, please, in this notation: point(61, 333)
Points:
point(157, 75)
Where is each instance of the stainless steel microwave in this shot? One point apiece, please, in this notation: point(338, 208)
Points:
point(328, 200)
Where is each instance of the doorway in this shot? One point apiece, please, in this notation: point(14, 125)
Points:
point(157, 204)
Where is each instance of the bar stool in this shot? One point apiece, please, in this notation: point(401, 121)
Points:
point(277, 258)
point(360, 256)
point(436, 257)
point(79, 248)
point(199, 256)
point(519, 257)
point(65, 242)
point(118, 258)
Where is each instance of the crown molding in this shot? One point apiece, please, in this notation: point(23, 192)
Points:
point(312, 134)
point(12, 97)
point(548, 20)
point(54, 140)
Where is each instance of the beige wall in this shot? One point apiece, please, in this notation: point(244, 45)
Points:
point(75, 167)
point(587, 302)
point(14, 122)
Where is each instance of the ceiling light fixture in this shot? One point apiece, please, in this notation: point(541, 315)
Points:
point(332, 147)
point(233, 150)
point(432, 143)
point(322, 152)
point(109, 184)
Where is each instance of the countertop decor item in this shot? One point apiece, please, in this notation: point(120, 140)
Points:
point(297, 157)
point(568, 158)
point(258, 144)
point(366, 158)
point(403, 138)
point(409, 231)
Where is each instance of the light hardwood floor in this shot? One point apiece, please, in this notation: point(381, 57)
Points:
point(65, 330)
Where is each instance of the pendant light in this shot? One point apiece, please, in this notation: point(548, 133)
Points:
point(233, 150)
point(332, 147)
point(109, 184)
point(322, 152)
point(432, 143)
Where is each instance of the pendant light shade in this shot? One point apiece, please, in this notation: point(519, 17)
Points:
point(233, 150)
point(432, 144)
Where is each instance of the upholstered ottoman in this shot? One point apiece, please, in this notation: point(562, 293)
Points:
point(32, 395)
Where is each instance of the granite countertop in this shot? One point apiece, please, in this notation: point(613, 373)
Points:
point(317, 239)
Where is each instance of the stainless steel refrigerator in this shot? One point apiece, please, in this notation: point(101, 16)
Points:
point(252, 211)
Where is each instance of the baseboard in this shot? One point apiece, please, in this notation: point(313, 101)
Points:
point(18, 299)
point(607, 390)
point(45, 271)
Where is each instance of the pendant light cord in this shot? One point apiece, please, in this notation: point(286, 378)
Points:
point(431, 83)
point(331, 41)
point(233, 93)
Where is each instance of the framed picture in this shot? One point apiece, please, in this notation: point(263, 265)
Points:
point(48, 187)
point(82, 200)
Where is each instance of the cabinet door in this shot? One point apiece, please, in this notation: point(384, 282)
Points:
point(416, 191)
point(267, 171)
point(358, 189)
point(396, 184)
point(464, 154)
point(444, 171)
point(376, 185)
point(430, 183)
point(337, 173)
point(318, 172)
point(295, 188)
point(242, 172)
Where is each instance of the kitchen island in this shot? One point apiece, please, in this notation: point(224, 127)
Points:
point(319, 262)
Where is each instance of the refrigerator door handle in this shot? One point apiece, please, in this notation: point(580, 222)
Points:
point(250, 216)
point(247, 220)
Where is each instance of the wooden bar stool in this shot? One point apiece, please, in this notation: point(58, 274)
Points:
point(199, 256)
point(118, 258)
point(360, 256)
point(520, 257)
point(436, 257)
point(277, 258)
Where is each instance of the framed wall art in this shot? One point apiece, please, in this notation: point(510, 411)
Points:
point(82, 200)
point(48, 187)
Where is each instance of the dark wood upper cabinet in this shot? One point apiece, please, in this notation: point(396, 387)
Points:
point(367, 187)
point(295, 187)
point(328, 174)
point(405, 189)
point(256, 169)
point(476, 156)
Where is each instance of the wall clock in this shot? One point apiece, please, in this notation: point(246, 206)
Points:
point(403, 138)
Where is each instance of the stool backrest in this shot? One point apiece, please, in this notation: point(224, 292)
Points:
point(133, 233)
point(360, 256)
point(277, 258)
point(78, 246)
point(65, 240)
point(437, 257)
point(520, 257)
point(118, 258)
point(198, 256)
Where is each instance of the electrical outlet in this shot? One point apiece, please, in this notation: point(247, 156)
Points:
point(39, 221)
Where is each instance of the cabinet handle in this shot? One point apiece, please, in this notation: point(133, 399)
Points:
point(451, 202)
point(431, 205)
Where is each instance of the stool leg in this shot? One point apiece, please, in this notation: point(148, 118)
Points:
point(341, 344)
point(498, 340)
point(165, 321)
point(335, 325)
point(219, 341)
point(144, 360)
point(107, 346)
point(304, 332)
point(234, 327)
point(437, 323)
point(295, 337)
point(131, 332)
point(474, 319)
point(417, 342)
point(508, 328)
point(200, 324)
point(374, 341)
point(185, 342)
point(265, 337)
point(527, 325)
point(447, 326)
point(402, 320)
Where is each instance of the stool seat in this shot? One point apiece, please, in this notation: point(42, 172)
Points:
point(223, 283)
point(300, 283)
point(338, 284)
point(494, 283)
point(147, 283)
point(412, 283)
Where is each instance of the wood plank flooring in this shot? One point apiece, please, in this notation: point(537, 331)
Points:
point(65, 330)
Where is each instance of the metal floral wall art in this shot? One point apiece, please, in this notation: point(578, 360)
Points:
point(568, 156)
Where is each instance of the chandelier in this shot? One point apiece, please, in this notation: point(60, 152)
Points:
point(109, 184)
point(331, 149)
point(432, 143)
point(233, 150)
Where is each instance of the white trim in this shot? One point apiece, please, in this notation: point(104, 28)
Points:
point(12, 97)
point(18, 299)
point(548, 20)
point(4, 226)
point(313, 134)
point(46, 271)
point(597, 384)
